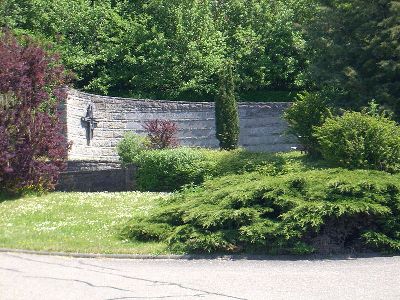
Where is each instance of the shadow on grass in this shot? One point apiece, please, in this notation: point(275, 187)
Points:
point(6, 196)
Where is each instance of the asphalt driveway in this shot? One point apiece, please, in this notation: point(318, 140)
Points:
point(25, 276)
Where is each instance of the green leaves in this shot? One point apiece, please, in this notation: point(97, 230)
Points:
point(308, 111)
point(360, 140)
point(170, 49)
point(356, 47)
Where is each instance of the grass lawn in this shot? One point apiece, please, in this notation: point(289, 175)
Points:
point(75, 222)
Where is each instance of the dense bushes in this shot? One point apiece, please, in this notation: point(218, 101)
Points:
point(171, 169)
point(131, 146)
point(309, 110)
point(161, 134)
point(358, 140)
point(366, 140)
point(33, 149)
point(321, 211)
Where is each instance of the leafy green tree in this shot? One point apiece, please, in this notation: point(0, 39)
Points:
point(170, 49)
point(265, 39)
point(226, 112)
point(357, 56)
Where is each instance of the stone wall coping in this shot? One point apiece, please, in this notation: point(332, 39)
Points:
point(78, 93)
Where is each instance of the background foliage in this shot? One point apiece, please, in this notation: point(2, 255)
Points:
point(174, 49)
point(357, 52)
point(171, 49)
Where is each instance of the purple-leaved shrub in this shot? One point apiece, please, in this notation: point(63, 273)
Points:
point(33, 148)
point(161, 133)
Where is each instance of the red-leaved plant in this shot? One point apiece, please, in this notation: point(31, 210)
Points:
point(161, 133)
point(33, 148)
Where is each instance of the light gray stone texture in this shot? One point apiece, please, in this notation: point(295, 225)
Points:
point(262, 125)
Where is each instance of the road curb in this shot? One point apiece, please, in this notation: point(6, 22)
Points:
point(94, 255)
point(197, 256)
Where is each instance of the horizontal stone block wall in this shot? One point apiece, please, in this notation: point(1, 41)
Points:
point(262, 126)
point(97, 176)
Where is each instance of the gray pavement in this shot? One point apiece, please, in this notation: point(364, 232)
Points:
point(25, 276)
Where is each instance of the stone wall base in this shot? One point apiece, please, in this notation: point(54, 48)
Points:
point(95, 176)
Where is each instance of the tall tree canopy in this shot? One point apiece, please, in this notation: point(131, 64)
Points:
point(170, 48)
point(357, 52)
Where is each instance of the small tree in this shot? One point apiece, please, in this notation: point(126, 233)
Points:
point(33, 149)
point(226, 112)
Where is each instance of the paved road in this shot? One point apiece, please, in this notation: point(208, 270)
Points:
point(24, 276)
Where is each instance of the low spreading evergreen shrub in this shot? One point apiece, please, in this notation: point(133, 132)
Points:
point(360, 140)
point(318, 211)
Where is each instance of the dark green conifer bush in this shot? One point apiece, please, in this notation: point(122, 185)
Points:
point(226, 112)
point(320, 211)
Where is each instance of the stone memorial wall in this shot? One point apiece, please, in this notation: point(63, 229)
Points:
point(262, 127)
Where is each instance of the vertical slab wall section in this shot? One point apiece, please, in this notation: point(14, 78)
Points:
point(262, 127)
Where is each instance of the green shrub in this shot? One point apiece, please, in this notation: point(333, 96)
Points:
point(171, 169)
point(360, 140)
point(308, 111)
point(320, 211)
point(131, 146)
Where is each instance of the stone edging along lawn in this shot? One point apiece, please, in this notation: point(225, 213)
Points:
point(95, 255)
point(197, 256)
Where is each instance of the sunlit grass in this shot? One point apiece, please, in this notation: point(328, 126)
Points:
point(76, 222)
